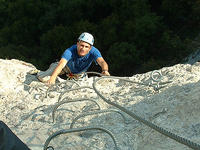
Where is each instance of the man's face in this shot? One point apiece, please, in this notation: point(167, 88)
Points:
point(83, 48)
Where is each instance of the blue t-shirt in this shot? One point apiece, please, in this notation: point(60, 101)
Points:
point(78, 64)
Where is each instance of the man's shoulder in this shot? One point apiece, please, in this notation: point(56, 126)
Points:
point(94, 49)
point(71, 49)
point(95, 52)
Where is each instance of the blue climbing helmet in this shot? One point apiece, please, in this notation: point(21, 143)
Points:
point(86, 37)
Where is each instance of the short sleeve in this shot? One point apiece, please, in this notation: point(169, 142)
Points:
point(67, 53)
point(96, 54)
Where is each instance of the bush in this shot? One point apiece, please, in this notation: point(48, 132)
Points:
point(123, 58)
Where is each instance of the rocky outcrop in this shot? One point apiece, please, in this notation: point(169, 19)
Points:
point(34, 111)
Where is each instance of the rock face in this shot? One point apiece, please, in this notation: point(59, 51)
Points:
point(35, 111)
point(193, 58)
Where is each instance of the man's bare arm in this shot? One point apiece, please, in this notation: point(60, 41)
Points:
point(104, 65)
point(57, 71)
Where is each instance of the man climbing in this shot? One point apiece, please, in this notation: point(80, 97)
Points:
point(76, 60)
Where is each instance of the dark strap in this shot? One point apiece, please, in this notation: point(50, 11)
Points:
point(8, 140)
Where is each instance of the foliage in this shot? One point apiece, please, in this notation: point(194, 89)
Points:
point(132, 35)
point(123, 57)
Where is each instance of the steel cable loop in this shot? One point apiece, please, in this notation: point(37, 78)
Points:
point(96, 73)
point(151, 125)
point(69, 90)
point(50, 148)
point(159, 78)
point(97, 112)
point(69, 101)
point(64, 131)
point(59, 84)
point(27, 115)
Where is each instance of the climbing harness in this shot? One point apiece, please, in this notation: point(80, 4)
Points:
point(71, 76)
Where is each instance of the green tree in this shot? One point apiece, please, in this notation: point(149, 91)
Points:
point(55, 41)
point(123, 58)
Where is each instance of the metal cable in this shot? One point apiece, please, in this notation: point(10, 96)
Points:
point(69, 101)
point(68, 90)
point(97, 112)
point(151, 125)
point(96, 73)
point(59, 84)
point(64, 131)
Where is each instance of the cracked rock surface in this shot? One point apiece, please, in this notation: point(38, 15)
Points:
point(26, 106)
